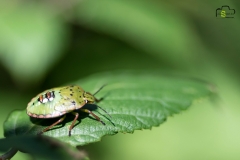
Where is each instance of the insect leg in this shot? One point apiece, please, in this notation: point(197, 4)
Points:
point(98, 100)
point(94, 115)
point(49, 127)
point(71, 127)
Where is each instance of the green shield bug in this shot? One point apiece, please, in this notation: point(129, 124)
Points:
point(57, 102)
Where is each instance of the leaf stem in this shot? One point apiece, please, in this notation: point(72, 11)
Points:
point(9, 154)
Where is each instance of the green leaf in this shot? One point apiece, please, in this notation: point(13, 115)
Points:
point(41, 147)
point(134, 100)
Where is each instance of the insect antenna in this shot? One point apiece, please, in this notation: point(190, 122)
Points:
point(101, 99)
point(104, 111)
point(99, 89)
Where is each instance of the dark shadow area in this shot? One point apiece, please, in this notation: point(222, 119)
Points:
point(69, 118)
point(108, 53)
point(6, 80)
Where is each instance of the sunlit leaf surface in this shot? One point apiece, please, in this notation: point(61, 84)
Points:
point(134, 100)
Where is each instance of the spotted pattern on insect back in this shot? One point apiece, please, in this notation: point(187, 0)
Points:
point(58, 101)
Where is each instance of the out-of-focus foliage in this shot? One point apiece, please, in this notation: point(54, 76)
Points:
point(68, 40)
point(31, 40)
point(153, 30)
point(42, 147)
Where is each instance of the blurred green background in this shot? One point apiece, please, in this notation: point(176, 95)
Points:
point(44, 44)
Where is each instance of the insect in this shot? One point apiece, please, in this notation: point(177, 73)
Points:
point(57, 102)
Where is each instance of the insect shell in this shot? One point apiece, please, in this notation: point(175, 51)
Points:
point(57, 102)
